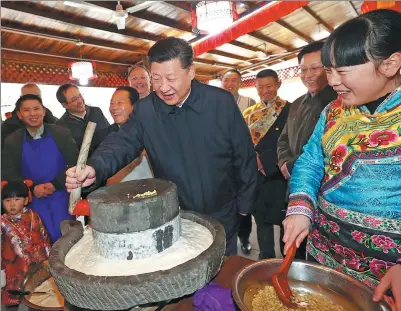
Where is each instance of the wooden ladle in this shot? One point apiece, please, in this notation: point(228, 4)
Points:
point(280, 279)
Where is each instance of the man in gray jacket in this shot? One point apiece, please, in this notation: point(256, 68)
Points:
point(304, 112)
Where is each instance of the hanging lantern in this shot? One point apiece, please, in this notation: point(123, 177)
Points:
point(369, 6)
point(211, 17)
point(82, 71)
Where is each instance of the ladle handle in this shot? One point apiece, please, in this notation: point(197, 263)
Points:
point(289, 257)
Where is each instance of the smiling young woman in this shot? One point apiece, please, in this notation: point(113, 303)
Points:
point(348, 177)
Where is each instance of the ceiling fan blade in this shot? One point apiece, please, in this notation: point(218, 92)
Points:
point(139, 7)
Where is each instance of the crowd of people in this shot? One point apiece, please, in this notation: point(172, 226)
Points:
point(338, 148)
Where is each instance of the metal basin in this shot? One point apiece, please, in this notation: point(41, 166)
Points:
point(341, 289)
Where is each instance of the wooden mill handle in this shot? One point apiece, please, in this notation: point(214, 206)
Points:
point(75, 194)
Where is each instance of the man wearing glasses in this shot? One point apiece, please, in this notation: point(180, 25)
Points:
point(77, 114)
point(304, 112)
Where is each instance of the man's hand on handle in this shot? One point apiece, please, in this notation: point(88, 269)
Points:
point(296, 228)
point(85, 178)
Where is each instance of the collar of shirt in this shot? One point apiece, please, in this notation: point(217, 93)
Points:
point(38, 134)
point(193, 101)
point(267, 104)
point(75, 115)
point(72, 115)
point(180, 105)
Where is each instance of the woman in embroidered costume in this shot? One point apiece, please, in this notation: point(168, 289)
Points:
point(348, 179)
point(24, 238)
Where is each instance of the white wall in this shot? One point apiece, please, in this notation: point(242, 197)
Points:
point(94, 96)
point(290, 89)
point(100, 96)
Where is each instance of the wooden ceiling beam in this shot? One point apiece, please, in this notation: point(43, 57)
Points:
point(88, 23)
point(165, 21)
point(294, 30)
point(318, 19)
point(68, 19)
point(47, 34)
point(229, 55)
point(180, 5)
point(13, 27)
point(354, 8)
point(214, 63)
point(64, 56)
point(247, 46)
point(148, 16)
point(269, 40)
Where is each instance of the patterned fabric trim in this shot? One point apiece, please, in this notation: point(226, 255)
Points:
point(361, 220)
point(382, 106)
point(301, 203)
point(353, 138)
point(350, 165)
point(299, 210)
point(261, 117)
point(328, 261)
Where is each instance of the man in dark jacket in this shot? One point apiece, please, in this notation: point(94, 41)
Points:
point(304, 112)
point(121, 106)
point(41, 152)
point(194, 135)
point(77, 115)
point(14, 123)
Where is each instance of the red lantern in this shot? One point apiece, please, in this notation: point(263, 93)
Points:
point(213, 16)
point(369, 6)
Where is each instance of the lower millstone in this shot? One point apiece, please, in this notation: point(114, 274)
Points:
point(142, 244)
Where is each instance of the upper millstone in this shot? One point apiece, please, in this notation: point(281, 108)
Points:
point(135, 219)
point(118, 209)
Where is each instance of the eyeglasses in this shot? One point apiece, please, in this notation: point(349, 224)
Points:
point(75, 99)
point(313, 69)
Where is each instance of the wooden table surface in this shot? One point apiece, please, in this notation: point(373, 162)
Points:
point(224, 278)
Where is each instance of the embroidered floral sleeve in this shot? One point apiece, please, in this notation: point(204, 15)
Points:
point(308, 173)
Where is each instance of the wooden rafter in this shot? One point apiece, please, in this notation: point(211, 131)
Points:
point(294, 30)
point(9, 26)
point(163, 21)
point(148, 16)
point(61, 36)
point(354, 8)
point(88, 23)
point(269, 40)
point(64, 56)
point(247, 46)
point(318, 19)
point(213, 63)
point(69, 20)
point(179, 4)
point(186, 8)
point(225, 54)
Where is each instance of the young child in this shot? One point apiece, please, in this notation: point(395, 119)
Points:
point(24, 239)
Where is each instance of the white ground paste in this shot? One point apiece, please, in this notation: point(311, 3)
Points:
point(54, 299)
point(194, 239)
